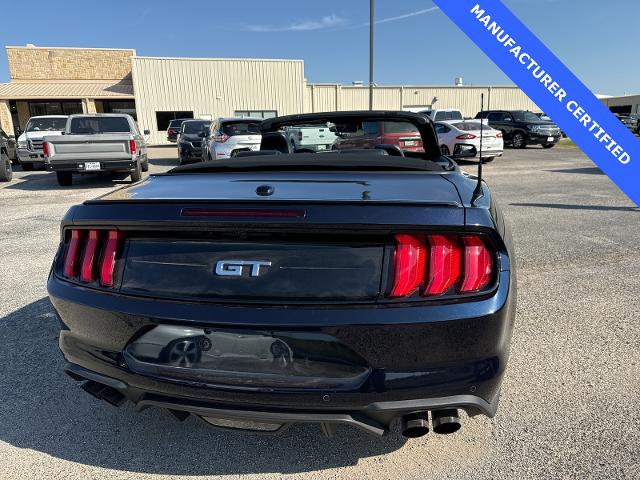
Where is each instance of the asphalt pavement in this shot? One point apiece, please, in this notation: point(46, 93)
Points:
point(570, 398)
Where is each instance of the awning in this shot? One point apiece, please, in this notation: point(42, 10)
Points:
point(65, 90)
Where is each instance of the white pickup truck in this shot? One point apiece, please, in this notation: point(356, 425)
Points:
point(94, 143)
point(311, 137)
point(30, 142)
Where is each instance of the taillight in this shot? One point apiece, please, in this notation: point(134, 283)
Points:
point(499, 135)
point(45, 149)
point(221, 138)
point(441, 264)
point(132, 146)
point(71, 253)
point(171, 131)
point(410, 265)
point(89, 257)
point(99, 252)
point(299, 135)
point(466, 136)
point(107, 269)
point(444, 264)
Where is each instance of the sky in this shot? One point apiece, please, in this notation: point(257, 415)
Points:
point(415, 44)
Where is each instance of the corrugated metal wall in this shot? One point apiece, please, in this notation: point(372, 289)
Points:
point(328, 97)
point(214, 87)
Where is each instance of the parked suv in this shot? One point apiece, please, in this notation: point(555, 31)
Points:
point(30, 151)
point(190, 140)
point(230, 136)
point(521, 128)
point(174, 129)
point(9, 142)
point(6, 172)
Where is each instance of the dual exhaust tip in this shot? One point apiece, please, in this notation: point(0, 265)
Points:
point(416, 424)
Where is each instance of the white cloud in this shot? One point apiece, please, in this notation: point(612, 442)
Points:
point(398, 17)
point(330, 21)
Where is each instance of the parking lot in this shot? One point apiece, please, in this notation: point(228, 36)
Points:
point(569, 404)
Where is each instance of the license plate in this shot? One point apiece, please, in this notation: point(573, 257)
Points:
point(92, 166)
point(322, 147)
point(33, 156)
point(409, 143)
point(550, 139)
point(254, 147)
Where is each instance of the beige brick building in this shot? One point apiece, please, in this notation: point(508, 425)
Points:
point(60, 81)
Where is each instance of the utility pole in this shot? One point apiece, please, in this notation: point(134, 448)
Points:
point(370, 54)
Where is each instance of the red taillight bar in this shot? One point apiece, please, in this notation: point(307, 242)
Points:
point(441, 264)
point(71, 254)
point(478, 264)
point(444, 264)
point(466, 136)
point(410, 265)
point(108, 265)
point(132, 146)
point(45, 148)
point(91, 243)
point(88, 258)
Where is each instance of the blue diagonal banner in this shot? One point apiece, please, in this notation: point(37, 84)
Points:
point(557, 91)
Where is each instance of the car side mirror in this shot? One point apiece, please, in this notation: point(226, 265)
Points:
point(147, 132)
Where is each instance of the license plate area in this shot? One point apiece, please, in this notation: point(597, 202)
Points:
point(89, 166)
point(550, 139)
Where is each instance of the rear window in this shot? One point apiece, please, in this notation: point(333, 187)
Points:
point(469, 126)
point(176, 123)
point(400, 127)
point(193, 127)
point(526, 117)
point(440, 116)
point(46, 124)
point(240, 128)
point(92, 125)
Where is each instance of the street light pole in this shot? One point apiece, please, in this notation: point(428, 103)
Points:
point(370, 54)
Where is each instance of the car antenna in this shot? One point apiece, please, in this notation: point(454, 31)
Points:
point(478, 192)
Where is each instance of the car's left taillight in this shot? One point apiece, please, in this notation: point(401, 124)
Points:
point(437, 265)
point(132, 146)
point(90, 256)
point(45, 148)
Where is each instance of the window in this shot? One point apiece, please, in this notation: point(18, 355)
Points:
point(54, 108)
point(240, 128)
point(441, 128)
point(124, 106)
point(447, 115)
point(194, 126)
point(163, 118)
point(91, 125)
point(496, 117)
point(256, 113)
point(400, 127)
point(370, 128)
point(46, 124)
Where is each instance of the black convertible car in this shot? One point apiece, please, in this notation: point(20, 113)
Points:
point(351, 287)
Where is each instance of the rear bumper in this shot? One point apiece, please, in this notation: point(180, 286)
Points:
point(78, 166)
point(28, 156)
point(420, 358)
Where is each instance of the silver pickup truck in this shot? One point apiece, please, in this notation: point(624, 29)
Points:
point(94, 143)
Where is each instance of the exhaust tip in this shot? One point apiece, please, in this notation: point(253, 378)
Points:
point(104, 392)
point(415, 425)
point(445, 421)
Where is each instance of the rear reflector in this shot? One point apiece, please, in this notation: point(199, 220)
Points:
point(109, 259)
point(71, 253)
point(242, 213)
point(410, 265)
point(441, 264)
point(88, 258)
point(91, 243)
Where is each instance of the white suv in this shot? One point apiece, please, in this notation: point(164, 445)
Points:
point(230, 136)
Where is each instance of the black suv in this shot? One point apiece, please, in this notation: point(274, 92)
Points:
point(521, 128)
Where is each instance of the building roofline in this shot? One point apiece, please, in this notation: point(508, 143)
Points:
point(205, 59)
point(35, 47)
point(408, 86)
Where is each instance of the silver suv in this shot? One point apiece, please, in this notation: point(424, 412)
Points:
point(230, 136)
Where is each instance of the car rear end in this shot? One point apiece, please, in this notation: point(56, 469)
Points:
point(469, 134)
point(174, 129)
point(403, 135)
point(257, 313)
point(235, 136)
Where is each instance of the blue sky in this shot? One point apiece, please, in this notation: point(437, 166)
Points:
point(415, 43)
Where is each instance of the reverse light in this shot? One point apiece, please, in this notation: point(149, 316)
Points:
point(441, 264)
point(466, 136)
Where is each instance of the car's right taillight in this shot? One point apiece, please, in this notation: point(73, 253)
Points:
point(90, 256)
point(220, 138)
point(435, 265)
